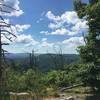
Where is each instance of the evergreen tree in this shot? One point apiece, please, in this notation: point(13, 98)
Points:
point(90, 53)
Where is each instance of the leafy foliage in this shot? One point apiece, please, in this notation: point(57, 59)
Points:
point(45, 62)
point(30, 81)
point(57, 78)
point(90, 53)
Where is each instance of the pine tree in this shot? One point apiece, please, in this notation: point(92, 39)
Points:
point(90, 53)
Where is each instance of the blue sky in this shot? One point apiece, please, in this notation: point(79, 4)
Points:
point(45, 25)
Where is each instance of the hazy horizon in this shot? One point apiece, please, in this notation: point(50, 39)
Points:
point(45, 26)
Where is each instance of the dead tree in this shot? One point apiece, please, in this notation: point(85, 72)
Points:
point(57, 58)
point(5, 32)
point(61, 58)
point(34, 60)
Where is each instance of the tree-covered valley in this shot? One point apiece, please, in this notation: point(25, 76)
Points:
point(42, 62)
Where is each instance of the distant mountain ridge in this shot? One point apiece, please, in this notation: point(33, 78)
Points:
point(45, 62)
point(22, 55)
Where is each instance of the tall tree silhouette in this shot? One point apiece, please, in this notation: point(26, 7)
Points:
point(34, 60)
point(7, 33)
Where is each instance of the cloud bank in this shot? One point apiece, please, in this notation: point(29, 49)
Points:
point(66, 24)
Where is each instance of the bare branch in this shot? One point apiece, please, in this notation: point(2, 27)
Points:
point(3, 32)
point(5, 44)
point(8, 32)
point(9, 7)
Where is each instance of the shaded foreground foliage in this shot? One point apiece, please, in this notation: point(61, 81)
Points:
point(90, 53)
point(40, 84)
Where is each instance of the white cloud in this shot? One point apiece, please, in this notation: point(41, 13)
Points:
point(54, 25)
point(69, 17)
point(44, 32)
point(52, 17)
point(60, 31)
point(68, 46)
point(46, 44)
point(80, 26)
point(74, 41)
point(66, 24)
point(4, 39)
point(21, 28)
point(14, 4)
point(44, 39)
point(27, 40)
point(23, 39)
point(18, 31)
point(28, 43)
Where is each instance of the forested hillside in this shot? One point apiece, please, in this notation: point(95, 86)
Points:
point(43, 62)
